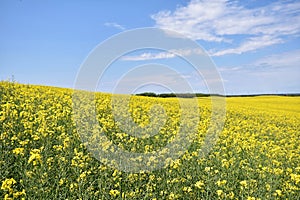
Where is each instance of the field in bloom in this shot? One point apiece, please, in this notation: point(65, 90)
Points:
point(42, 156)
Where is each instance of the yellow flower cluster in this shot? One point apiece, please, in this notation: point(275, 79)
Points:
point(35, 157)
point(8, 186)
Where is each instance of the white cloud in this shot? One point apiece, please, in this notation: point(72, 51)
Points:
point(270, 74)
point(219, 20)
point(285, 60)
point(115, 25)
point(249, 45)
point(149, 56)
point(163, 55)
point(191, 19)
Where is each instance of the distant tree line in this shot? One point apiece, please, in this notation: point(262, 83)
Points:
point(191, 95)
point(167, 95)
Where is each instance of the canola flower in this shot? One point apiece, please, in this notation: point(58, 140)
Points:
point(114, 193)
point(199, 184)
point(35, 157)
point(43, 157)
point(7, 184)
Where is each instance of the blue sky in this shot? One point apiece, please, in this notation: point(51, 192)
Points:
point(254, 44)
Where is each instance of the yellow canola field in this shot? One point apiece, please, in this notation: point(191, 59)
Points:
point(42, 156)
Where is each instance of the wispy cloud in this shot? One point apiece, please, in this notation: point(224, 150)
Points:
point(149, 56)
point(163, 55)
point(270, 74)
point(287, 61)
point(220, 20)
point(251, 44)
point(114, 25)
point(283, 61)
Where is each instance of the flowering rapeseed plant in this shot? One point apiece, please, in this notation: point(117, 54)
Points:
point(42, 155)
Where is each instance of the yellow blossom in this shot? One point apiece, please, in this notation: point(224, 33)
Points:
point(18, 194)
point(219, 192)
point(7, 184)
point(114, 193)
point(243, 183)
point(19, 151)
point(35, 157)
point(199, 184)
